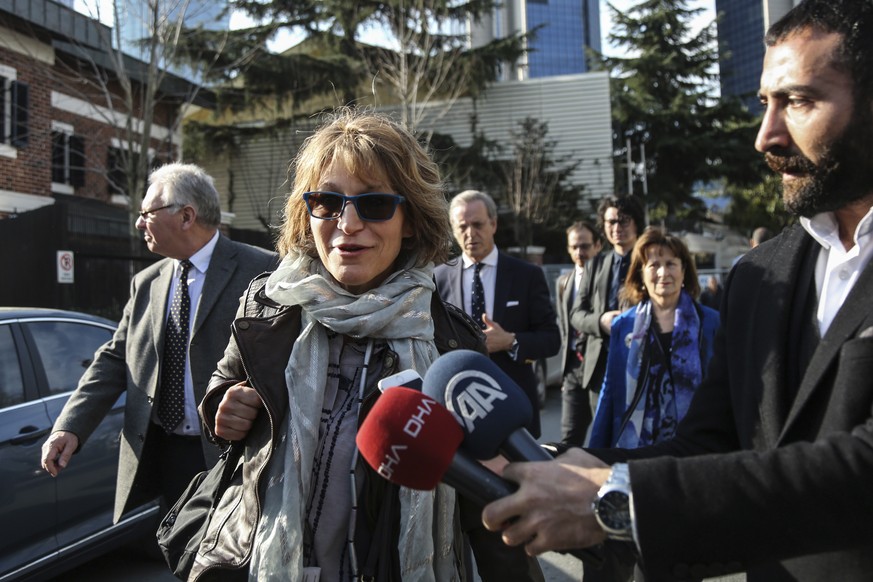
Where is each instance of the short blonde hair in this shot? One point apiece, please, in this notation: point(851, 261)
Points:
point(373, 148)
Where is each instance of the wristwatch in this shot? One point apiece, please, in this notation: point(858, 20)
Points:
point(513, 349)
point(612, 506)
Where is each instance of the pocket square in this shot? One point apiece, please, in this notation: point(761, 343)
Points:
point(512, 303)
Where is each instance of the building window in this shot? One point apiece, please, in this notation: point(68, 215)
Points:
point(117, 164)
point(68, 159)
point(13, 111)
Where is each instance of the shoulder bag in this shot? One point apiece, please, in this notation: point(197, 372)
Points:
point(184, 526)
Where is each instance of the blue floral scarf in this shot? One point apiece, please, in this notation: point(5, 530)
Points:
point(660, 382)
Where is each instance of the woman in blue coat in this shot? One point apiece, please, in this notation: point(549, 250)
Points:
point(658, 350)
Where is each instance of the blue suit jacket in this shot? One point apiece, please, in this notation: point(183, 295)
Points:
point(522, 305)
point(612, 405)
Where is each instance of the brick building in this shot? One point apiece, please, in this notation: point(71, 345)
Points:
point(71, 129)
point(67, 125)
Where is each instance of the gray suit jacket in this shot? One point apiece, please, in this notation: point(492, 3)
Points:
point(789, 498)
point(130, 363)
point(590, 303)
point(563, 288)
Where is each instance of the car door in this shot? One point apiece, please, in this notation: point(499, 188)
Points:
point(63, 350)
point(27, 493)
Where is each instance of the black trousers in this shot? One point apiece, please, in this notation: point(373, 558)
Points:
point(619, 565)
point(576, 409)
point(495, 561)
point(177, 459)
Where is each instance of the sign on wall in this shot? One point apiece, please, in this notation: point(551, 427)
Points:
point(65, 267)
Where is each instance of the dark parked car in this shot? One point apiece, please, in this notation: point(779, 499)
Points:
point(50, 525)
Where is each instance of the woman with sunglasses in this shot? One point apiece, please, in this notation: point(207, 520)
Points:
point(352, 302)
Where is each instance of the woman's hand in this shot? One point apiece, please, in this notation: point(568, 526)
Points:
point(237, 411)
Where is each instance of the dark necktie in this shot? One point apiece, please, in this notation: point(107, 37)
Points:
point(477, 298)
point(619, 273)
point(171, 402)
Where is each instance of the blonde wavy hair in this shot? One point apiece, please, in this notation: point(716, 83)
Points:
point(374, 148)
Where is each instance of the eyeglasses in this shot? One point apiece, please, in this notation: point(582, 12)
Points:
point(145, 213)
point(621, 220)
point(581, 246)
point(371, 207)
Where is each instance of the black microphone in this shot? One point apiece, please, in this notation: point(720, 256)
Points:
point(492, 410)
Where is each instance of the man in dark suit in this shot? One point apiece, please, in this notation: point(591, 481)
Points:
point(771, 468)
point(621, 219)
point(583, 244)
point(518, 318)
point(514, 308)
point(179, 220)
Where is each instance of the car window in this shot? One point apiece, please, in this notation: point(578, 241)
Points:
point(66, 350)
point(11, 382)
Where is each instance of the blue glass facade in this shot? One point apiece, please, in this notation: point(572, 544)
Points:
point(569, 26)
point(741, 49)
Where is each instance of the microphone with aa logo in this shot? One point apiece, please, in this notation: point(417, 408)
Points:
point(492, 410)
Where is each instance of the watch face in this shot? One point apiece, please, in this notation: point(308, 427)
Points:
point(614, 510)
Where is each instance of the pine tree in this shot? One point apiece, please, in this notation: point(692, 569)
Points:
point(423, 55)
point(665, 100)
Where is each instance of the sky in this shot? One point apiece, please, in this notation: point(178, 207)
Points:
point(91, 7)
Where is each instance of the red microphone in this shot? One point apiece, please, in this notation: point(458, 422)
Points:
point(412, 440)
point(408, 440)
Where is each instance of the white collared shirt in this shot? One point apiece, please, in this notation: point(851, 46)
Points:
point(837, 269)
point(577, 281)
point(200, 260)
point(488, 274)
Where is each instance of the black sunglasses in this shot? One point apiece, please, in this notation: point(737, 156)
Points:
point(371, 207)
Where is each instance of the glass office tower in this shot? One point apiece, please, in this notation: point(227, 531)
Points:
point(570, 27)
point(741, 31)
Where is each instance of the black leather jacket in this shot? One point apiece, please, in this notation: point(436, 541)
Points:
point(258, 352)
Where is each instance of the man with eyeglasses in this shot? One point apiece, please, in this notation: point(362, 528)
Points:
point(583, 244)
point(515, 312)
point(621, 219)
point(174, 329)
